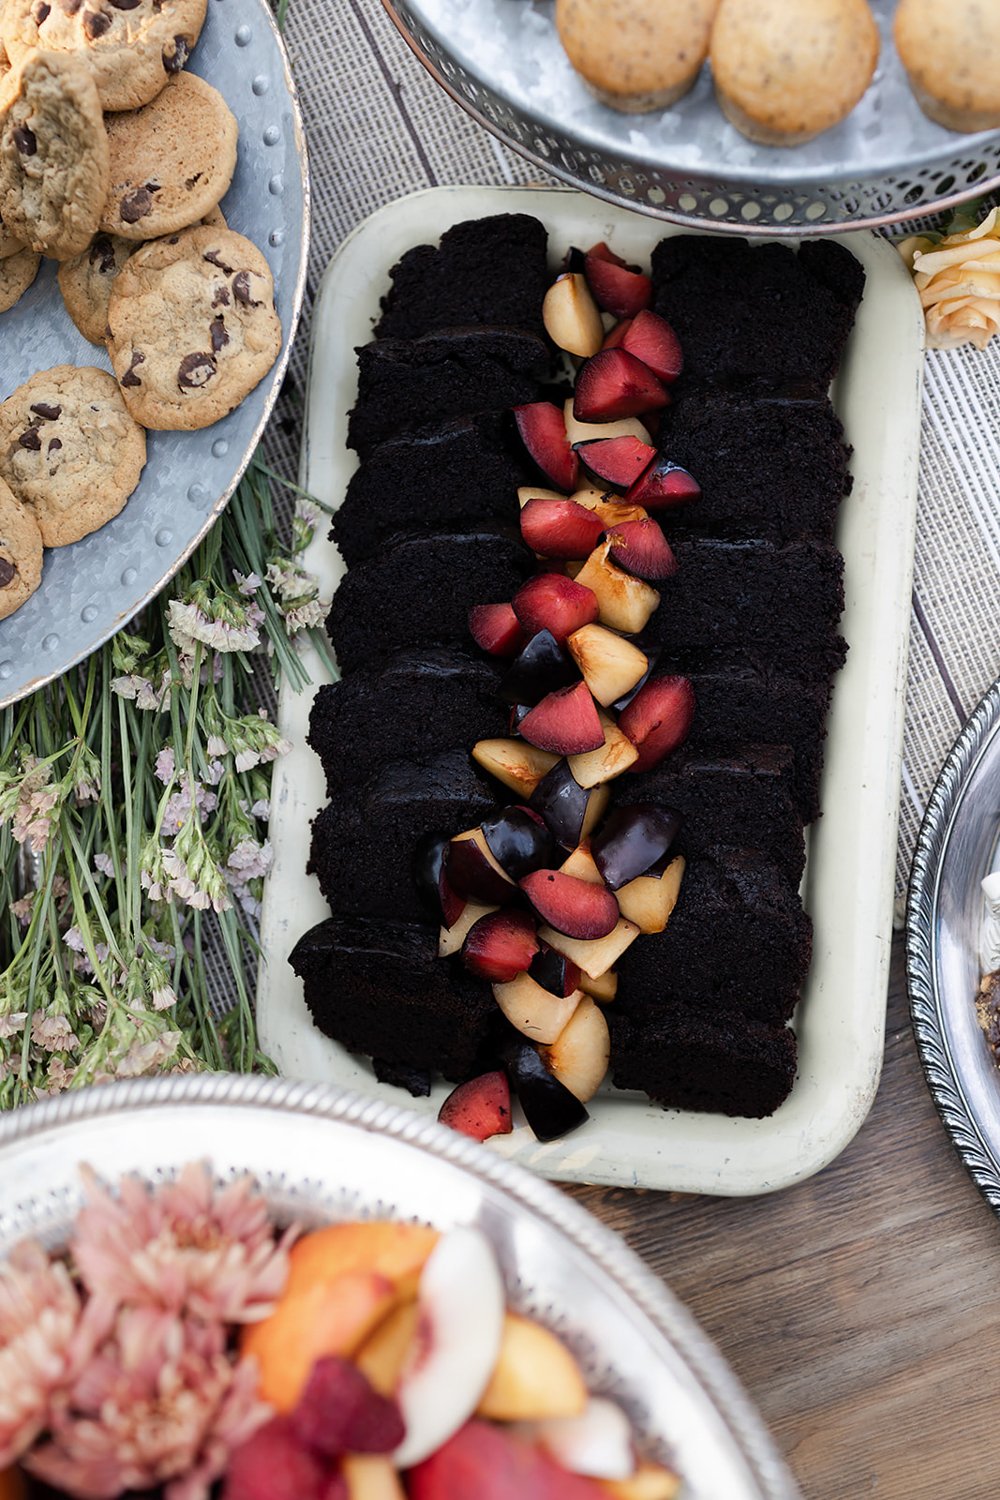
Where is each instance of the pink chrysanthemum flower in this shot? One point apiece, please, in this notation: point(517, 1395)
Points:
point(183, 1247)
point(160, 1403)
point(45, 1340)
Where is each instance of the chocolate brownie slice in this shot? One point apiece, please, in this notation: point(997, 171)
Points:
point(420, 590)
point(720, 1061)
point(489, 270)
point(752, 602)
point(738, 929)
point(363, 844)
point(379, 988)
point(405, 384)
point(773, 466)
point(743, 799)
point(458, 474)
point(421, 700)
point(757, 315)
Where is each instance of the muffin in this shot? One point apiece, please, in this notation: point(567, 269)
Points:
point(785, 70)
point(951, 54)
point(636, 55)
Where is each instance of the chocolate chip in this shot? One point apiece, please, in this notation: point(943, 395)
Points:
point(40, 11)
point(220, 338)
point(212, 256)
point(8, 572)
point(130, 377)
point(124, 4)
point(195, 371)
point(241, 289)
point(54, 446)
point(220, 297)
point(29, 439)
point(25, 140)
point(190, 182)
point(136, 205)
point(102, 254)
point(43, 409)
point(174, 60)
point(95, 24)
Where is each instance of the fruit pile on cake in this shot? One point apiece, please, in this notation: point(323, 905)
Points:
point(588, 632)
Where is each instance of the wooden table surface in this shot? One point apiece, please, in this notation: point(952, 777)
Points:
point(858, 1308)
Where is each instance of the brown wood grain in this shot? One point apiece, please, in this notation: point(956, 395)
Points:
point(861, 1309)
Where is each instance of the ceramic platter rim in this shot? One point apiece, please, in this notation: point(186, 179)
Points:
point(363, 1154)
point(37, 642)
point(689, 165)
point(629, 1141)
point(956, 848)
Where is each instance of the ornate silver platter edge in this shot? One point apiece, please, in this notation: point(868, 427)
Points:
point(40, 1144)
point(944, 1060)
point(751, 196)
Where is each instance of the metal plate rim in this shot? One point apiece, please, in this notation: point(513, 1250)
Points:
point(738, 180)
point(275, 376)
point(528, 1193)
point(936, 1056)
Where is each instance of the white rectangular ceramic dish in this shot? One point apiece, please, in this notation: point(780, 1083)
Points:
point(848, 884)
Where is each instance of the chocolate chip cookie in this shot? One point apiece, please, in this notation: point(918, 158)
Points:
point(87, 279)
point(69, 450)
point(20, 553)
point(17, 272)
point(192, 327)
point(170, 161)
point(54, 164)
point(130, 47)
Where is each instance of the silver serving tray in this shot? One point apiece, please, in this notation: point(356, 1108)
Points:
point(91, 589)
point(956, 848)
point(319, 1154)
point(503, 61)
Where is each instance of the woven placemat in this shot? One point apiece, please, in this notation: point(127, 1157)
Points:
point(379, 127)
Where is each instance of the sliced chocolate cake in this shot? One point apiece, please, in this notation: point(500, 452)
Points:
point(363, 844)
point(775, 607)
point(456, 474)
point(405, 384)
point(719, 1061)
point(743, 799)
point(420, 590)
point(737, 934)
point(489, 270)
point(772, 467)
point(379, 988)
point(742, 705)
point(419, 701)
point(757, 316)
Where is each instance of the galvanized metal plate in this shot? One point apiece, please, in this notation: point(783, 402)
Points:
point(89, 590)
point(319, 1154)
point(503, 61)
point(957, 847)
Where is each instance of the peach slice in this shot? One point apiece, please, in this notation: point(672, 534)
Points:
point(536, 1377)
point(625, 602)
point(649, 1482)
point(324, 1317)
point(609, 664)
point(595, 956)
point(384, 1352)
point(594, 767)
point(571, 316)
point(580, 1054)
point(461, 1298)
point(397, 1251)
point(579, 432)
point(371, 1478)
point(597, 1443)
point(533, 1010)
point(518, 765)
point(649, 900)
point(604, 988)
